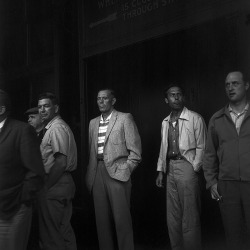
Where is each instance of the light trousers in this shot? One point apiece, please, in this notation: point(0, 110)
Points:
point(55, 210)
point(183, 206)
point(112, 210)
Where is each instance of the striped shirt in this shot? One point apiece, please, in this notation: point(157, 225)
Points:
point(103, 126)
point(2, 123)
point(238, 118)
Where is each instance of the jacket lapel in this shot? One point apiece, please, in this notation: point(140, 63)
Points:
point(95, 134)
point(111, 124)
point(5, 129)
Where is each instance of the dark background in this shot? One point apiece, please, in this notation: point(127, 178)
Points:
point(41, 50)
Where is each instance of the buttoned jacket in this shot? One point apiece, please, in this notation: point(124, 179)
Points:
point(192, 139)
point(122, 147)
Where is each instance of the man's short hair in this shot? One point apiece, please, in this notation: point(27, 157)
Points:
point(112, 91)
point(5, 100)
point(171, 85)
point(49, 95)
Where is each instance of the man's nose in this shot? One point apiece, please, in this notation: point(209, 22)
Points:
point(230, 86)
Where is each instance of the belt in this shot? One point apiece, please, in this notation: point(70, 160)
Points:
point(65, 172)
point(176, 158)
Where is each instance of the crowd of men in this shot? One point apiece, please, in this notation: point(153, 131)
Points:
point(37, 161)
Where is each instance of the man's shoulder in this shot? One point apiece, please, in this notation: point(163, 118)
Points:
point(123, 117)
point(59, 122)
point(16, 124)
point(218, 114)
point(166, 119)
point(94, 119)
point(193, 114)
point(122, 114)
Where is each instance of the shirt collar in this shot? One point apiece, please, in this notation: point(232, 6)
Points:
point(52, 121)
point(108, 118)
point(2, 123)
point(244, 110)
point(184, 115)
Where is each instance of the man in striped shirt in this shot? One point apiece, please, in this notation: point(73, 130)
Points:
point(101, 135)
point(115, 151)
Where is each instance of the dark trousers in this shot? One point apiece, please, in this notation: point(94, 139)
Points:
point(235, 212)
point(183, 206)
point(55, 210)
point(112, 211)
point(14, 233)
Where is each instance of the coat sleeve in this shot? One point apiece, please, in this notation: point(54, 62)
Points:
point(200, 132)
point(210, 161)
point(161, 164)
point(133, 142)
point(30, 151)
point(32, 161)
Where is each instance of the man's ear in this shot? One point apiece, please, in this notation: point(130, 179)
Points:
point(56, 108)
point(2, 110)
point(113, 101)
point(247, 85)
point(166, 100)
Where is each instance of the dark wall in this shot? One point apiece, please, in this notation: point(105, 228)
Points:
point(199, 58)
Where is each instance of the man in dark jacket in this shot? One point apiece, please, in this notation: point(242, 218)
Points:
point(21, 175)
point(227, 160)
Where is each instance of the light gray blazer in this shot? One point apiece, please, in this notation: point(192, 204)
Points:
point(122, 147)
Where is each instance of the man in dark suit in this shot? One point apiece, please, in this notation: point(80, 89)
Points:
point(21, 176)
point(115, 151)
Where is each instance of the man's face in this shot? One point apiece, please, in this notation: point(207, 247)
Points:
point(105, 101)
point(175, 99)
point(35, 120)
point(47, 110)
point(235, 87)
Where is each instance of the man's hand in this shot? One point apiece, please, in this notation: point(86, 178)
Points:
point(159, 180)
point(214, 192)
point(56, 171)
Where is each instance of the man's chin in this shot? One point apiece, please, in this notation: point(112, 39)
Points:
point(44, 119)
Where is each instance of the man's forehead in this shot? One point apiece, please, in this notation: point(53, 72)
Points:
point(104, 93)
point(234, 76)
point(44, 101)
point(175, 90)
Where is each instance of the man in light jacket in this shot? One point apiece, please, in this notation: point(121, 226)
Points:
point(183, 137)
point(114, 153)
